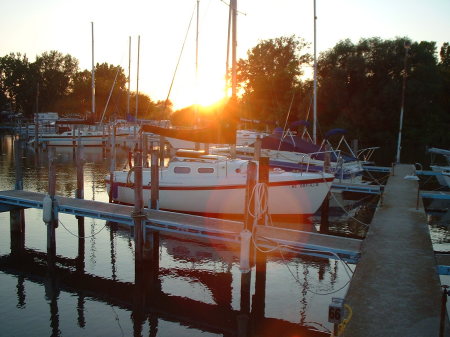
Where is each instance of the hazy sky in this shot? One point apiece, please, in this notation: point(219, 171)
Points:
point(35, 26)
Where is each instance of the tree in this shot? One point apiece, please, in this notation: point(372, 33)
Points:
point(56, 74)
point(269, 77)
point(16, 83)
point(360, 88)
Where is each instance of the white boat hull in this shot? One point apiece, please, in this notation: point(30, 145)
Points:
point(287, 199)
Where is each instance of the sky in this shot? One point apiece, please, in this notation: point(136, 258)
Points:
point(33, 27)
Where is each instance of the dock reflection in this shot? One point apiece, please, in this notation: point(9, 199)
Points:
point(145, 299)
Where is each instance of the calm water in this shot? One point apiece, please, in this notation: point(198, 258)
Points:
point(195, 292)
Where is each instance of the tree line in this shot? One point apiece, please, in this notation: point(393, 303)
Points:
point(359, 89)
point(54, 82)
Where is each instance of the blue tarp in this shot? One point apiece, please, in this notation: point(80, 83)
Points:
point(335, 132)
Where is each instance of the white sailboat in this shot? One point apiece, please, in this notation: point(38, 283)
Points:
point(215, 186)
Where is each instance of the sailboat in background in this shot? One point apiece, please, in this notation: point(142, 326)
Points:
point(444, 169)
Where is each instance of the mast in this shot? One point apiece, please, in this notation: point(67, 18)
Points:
point(315, 80)
point(196, 66)
point(407, 46)
point(137, 83)
point(93, 71)
point(233, 4)
point(227, 64)
point(129, 76)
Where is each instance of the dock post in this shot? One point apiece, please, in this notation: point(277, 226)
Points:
point(145, 150)
point(51, 225)
point(443, 317)
point(138, 206)
point(80, 176)
point(257, 148)
point(249, 205)
point(324, 224)
point(162, 142)
point(17, 216)
point(247, 250)
point(263, 178)
point(113, 164)
point(258, 303)
point(73, 140)
point(36, 126)
point(80, 195)
point(355, 147)
point(154, 199)
point(151, 246)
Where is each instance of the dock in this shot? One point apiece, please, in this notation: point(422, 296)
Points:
point(395, 290)
point(218, 229)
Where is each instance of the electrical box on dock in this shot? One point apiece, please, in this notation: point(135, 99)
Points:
point(336, 310)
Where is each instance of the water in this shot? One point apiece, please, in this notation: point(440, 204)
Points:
point(195, 292)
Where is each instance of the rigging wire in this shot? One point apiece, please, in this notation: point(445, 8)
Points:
point(178, 62)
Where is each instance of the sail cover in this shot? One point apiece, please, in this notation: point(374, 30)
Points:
point(217, 133)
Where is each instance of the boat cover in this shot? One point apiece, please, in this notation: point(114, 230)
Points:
point(219, 133)
point(297, 144)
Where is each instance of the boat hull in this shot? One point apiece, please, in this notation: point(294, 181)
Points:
point(287, 199)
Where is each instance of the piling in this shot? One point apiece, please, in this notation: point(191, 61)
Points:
point(154, 170)
point(162, 142)
point(246, 274)
point(355, 147)
point(51, 225)
point(151, 246)
point(145, 150)
point(80, 175)
point(17, 216)
point(80, 195)
point(249, 201)
point(257, 148)
point(138, 206)
point(263, 178)
point(258, 302)
point(74, 142)
point(324, 209)
point(36, 126)
point(113, 164)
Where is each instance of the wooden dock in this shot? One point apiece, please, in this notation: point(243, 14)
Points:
point(218, 229)
point(395, 290)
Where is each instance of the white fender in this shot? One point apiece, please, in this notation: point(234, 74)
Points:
point(245, 251)
point(47, 209)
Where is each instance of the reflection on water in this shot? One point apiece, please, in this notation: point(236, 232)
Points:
point(193, 288)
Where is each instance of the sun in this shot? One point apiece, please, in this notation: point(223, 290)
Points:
point(209, 91)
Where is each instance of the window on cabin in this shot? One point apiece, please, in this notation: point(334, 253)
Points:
point(205, 170)
point(182, 169)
